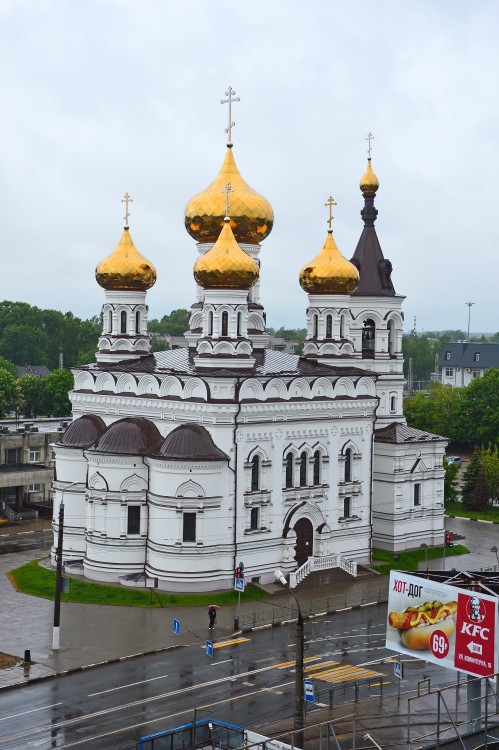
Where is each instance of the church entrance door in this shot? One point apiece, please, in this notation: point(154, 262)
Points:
point(304, 540)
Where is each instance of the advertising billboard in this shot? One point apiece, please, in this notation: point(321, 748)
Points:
point(453, 627)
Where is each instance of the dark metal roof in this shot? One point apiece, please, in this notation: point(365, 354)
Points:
point(374, 270)
point(191, 442)
point(462, 354)
point(40, 371)
point(268, 362)
point(134, 436)
point(401, 433)
point(83, 432)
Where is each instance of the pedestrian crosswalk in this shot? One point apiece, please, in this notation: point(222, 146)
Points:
point(331, 671)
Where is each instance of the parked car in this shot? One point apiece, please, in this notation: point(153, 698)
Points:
point(453, 460)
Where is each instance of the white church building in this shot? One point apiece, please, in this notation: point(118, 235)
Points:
point(179, 464)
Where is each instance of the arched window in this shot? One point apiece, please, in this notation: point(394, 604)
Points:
point(348, 465)
point(290, 470)
point(391, 338)
point(315, 323)
point(368, 338)
point(123, 321)
point(329, 326)
point(317, 467)
point(210, 323)
point(225, 323)
point(137, 322)
point(239, 319)
point(255, 473)
point(342, 327)
point(303, 470)
point(110, 321)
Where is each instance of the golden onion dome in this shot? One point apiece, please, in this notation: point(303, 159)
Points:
point(329, 272)
point(369, 182)
point(125, 268)
point(226, 265)
point(251, 215)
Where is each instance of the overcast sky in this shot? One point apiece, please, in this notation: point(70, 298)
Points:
point(107, 96)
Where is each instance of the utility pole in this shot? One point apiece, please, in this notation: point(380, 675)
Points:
point(470, 305)
point(58, 574)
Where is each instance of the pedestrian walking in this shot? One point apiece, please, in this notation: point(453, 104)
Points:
point(212, 614)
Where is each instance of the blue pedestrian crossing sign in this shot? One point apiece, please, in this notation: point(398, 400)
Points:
point(398, 669)
point(308, 686)
point(239, 584)
point(209, 648)
point(176, 627)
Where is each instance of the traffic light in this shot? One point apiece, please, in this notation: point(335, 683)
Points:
point(239, 572)
point(448, 542)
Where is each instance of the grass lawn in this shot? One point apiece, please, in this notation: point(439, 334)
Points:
point(409, 560)
point(459, 510)
point(37, 580)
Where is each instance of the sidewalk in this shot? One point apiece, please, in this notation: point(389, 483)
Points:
point(93, 634)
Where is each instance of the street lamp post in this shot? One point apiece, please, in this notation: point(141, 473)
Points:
point(58, 573)
point(299, 712)
point(470, 305)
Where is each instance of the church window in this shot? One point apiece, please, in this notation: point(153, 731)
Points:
point(210, 323)
point(189, 527)
point(303, 470)
point(368, 338)
point(225, 323)
point(348, 465)
point(317, 467)
point(137, 322)
point(393, 404)
point(123, 321)
point(329, 326)
point(315, 323)
point(346, 507)
point(255, 473)
point(342, 327)
point(255, 519)
point(417, 494)
point(290, 469)
point(391, 337)
point(110, 321)
point(133, 520)
point(238, 324)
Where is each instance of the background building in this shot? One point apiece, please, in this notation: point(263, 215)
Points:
point(460, 362)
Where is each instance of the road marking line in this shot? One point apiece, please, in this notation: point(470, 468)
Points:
point(230, 643)
point(285, 664)
point(123, 687)
point(31, 711)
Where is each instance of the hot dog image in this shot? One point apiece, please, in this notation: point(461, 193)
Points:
point(417, 624)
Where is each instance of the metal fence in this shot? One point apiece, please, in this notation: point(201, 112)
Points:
point(328, 604)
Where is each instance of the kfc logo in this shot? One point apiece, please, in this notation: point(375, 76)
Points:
point(474, 610)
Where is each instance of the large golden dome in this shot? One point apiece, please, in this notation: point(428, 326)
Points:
point(251, 215)
point(369, 182)
point(125, 268)
point(226, 265)
point(329, 272)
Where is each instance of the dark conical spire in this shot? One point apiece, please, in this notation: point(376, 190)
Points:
point(374, 270)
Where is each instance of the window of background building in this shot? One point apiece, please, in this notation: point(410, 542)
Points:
point(449, 372)
point(34, 455)
point(34, 487)
point(133, 521)
point(13, 456)
point(189, 530)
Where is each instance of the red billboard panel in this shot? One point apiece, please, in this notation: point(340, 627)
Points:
point(442, 624)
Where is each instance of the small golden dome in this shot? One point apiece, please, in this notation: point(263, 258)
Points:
point(251, 215)
point(329, 272)
point(125, 268)
point(226, 265)
point(369, 182)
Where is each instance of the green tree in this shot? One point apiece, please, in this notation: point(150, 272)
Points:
point(469, 479)
point(436, 409)
point(450, 482)
point(480, 497)
point(489, 462)
point(5, 364)
point(32, 398)
point(57, 386)
point(24, 344)
point(159, 345)
point(8, 393)
point(479, 410)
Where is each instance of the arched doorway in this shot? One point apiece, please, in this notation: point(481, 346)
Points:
point(304, 540)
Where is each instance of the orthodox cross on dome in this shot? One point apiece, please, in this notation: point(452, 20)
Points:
point(230, 91)
point(227, 189)
point(126, 200)
point(369, 138)
point(330, 202)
